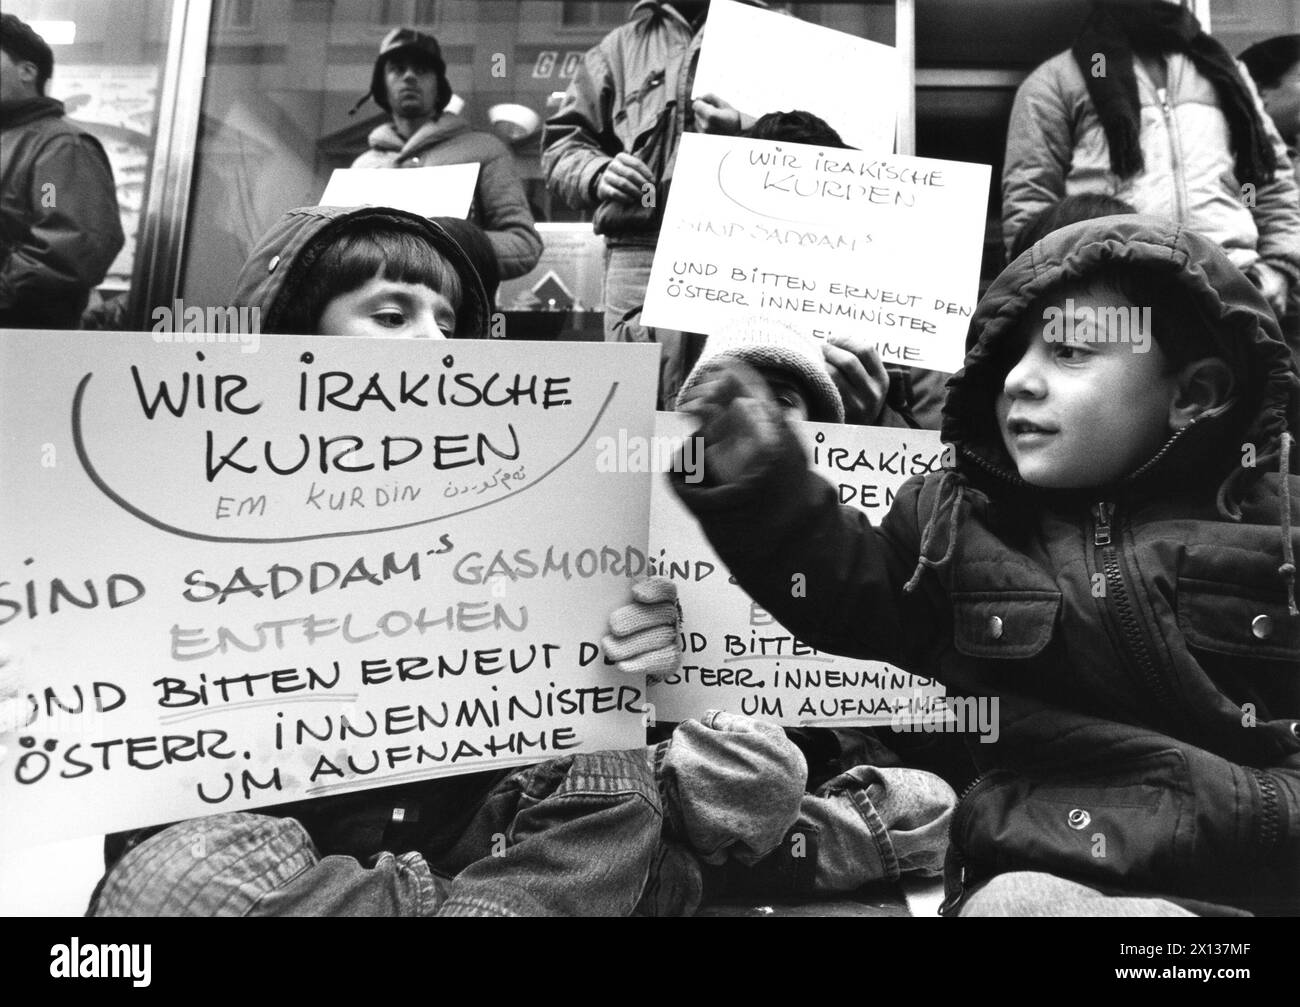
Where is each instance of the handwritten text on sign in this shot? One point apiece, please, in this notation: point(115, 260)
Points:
point(236, 580)
point(737, 657)
point(833, 241)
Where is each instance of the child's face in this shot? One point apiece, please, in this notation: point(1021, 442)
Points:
point(382, 307)
point(1082, 411)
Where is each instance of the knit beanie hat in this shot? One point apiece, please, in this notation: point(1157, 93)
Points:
point(771, 343)
point(22, 44)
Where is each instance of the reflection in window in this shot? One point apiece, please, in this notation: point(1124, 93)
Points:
point(237, 13)
point(108, 78)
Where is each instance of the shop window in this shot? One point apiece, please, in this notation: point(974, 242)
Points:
point(590, 14)
point(237, 14)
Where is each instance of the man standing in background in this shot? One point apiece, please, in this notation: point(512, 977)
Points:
point(611, 147)
point(410, 83)
point(59, 224)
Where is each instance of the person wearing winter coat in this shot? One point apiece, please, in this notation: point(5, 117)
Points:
point(611, 147)
point(1148, 108)
point(1110, 556)
point(59, 224)
point(409, 82)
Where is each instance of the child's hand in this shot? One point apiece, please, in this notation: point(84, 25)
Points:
point(859, 374)
point(645, 636)
point(740, 419)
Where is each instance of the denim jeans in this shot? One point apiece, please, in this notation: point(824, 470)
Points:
point(579, 836)
point(867, 825)
point(600, 834)
point(573, 836)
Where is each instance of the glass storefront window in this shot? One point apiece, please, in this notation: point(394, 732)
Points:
point(108, 68)
point(282, 78)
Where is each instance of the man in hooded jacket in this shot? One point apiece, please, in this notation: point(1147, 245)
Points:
point(410, 83)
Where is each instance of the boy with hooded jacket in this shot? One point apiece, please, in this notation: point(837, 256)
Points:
point(1113, 560)
point(598, 833)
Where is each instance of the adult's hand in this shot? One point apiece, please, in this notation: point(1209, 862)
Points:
point(624, 179)
point(714, 115)
point(860, 376)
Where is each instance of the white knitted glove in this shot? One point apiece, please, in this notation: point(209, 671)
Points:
point(645, 636)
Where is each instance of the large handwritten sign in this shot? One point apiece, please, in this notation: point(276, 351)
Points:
point(833, 241)
point(737, 657)
point(759, 61)
point(232, 580)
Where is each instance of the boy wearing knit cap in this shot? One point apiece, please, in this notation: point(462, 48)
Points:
point(867, 819)
point(1112, 558)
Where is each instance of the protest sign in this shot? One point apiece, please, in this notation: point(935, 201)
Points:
point(832, 241)
point(444, 190)
point(233, 580)
point(748, 58)
point(737, 657)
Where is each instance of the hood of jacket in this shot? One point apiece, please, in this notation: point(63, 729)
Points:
point(25, 110)
point(385, 136)
point(278, 264)
point(1244, 331)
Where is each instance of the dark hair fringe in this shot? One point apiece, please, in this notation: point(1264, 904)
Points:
point(1269, 61)
point(1070, 210)
point(796, 126)
point(361, 253)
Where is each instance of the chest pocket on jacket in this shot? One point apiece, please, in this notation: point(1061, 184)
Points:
point(1004, 624)
point(1223, 619)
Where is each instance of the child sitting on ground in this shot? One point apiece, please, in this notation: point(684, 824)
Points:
point(1112, 557)
point(603, 833)
point(867, 817)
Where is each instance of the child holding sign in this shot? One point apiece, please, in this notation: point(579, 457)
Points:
point(867, 818)
point(1112, 558)
point(600, 833)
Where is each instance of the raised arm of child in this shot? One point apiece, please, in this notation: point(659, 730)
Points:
point(821, 569)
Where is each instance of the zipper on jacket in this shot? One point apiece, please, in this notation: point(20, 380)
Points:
point(1180, 195)
point(954, 894)
point(1270, 828)
point(1127, 615)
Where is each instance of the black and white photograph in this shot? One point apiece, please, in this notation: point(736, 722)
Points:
point(710, 458)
